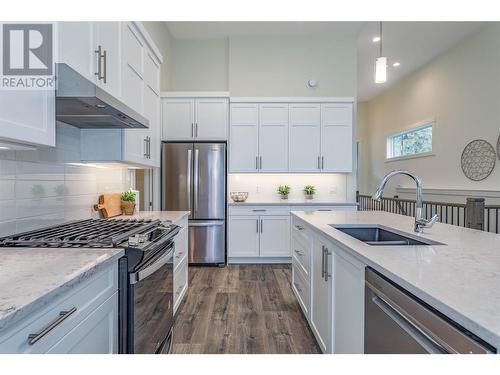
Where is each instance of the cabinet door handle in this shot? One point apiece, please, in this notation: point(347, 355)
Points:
point(146, 147)
point(260, 162)
point(322, 261)
point(261, 226)
point(319, 162)
point(100, 55)
point(257, 222)
point(63, 315)
point(192, 130)
point(196, 130)
point(149, 147)
point(322, 162)
point(105, 63)
point(327, 254)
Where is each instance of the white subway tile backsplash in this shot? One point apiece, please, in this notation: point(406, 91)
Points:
point(26, 189)
point(37, 207)
point(82, 187)
point(7, 210)
point(39, 171)
point(7, 189)
point(7, 169)
point(7, 227)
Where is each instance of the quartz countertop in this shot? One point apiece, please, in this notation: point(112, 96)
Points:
point(461, 278)
point(31, 278)
point(291, 202)
point(168, 216)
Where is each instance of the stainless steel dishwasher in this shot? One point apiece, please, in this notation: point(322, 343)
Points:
point(396, 322)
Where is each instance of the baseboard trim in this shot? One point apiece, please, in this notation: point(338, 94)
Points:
point(257, 260)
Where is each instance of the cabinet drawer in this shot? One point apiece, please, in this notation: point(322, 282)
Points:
point(301, 288)
point(181, 247)
point(300, 230)
point(82, 299)
point(180, 283)
point(301, 252)
point(96, 334)
point(259, 210)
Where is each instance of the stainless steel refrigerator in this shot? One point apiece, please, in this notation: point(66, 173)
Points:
point(194, 179)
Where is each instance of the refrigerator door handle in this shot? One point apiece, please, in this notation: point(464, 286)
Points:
point(207, 224)
point(196, 178)
point(188, 177)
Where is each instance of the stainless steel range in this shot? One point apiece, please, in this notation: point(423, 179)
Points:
point(145, 273)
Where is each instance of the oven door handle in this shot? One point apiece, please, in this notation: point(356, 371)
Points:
point(160, 262)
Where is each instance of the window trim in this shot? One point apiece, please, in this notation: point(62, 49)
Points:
point(414, 127)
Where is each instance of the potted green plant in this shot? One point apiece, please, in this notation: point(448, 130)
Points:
point(128, 202)
point(309, 191)
point(284, 190)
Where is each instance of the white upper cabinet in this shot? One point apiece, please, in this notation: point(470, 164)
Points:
point(76, 47)
point(211, 119)
point(107, 42)
point(305, 137)
point(203, 119)
point(336, 137)
point(177, 119)
point(244, 138)
point(36, 126)
point(273, 137)
point(132, 68)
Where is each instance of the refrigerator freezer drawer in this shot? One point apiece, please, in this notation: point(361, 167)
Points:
point(207, 242)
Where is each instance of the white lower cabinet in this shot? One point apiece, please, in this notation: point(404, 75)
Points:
point(321, 283)
point(98, 333)
point(274, 236)
point(243, 236)
point(84, 319)
point(180, 265)
point(329, 286)
point(258, 233)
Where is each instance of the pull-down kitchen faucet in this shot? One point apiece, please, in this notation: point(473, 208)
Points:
point(420, 221)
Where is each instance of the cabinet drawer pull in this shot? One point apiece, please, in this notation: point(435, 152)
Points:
point(298, 287)
point(299, 227)
point(259, 210)
point(63, 315)
point(299, 253)
point(179, 255)
point(325, 209)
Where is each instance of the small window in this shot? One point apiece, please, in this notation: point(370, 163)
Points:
point(411, 142)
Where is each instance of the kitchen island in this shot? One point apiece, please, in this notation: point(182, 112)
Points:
point(458, 278)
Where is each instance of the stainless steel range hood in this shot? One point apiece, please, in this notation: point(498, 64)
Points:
point(81, 103)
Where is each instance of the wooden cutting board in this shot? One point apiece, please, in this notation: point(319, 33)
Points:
point(109, 205)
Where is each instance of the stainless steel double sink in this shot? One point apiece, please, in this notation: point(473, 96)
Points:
point(378, 235)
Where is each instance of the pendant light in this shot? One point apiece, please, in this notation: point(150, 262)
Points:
point(381, 63)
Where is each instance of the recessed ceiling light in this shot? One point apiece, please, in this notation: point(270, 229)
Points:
point(376, 39)
point(396, 64)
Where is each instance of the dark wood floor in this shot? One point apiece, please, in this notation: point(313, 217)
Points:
point(241, 309)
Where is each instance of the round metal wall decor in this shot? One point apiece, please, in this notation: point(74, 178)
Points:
point(498, 147)
point(478, 160)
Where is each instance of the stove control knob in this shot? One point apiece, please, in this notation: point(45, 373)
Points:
point(133, 241)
